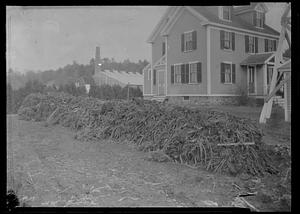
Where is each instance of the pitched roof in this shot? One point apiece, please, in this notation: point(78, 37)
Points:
point(241, 9)
point(124, 77)
point(256, 59)
point(236, 21)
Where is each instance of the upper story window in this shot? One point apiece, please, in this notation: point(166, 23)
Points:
point(251, 44)
point(270, 45)
point(189, 41)
point(227, 40)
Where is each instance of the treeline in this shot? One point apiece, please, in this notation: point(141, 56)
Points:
point(14, 98)
point(70, 73)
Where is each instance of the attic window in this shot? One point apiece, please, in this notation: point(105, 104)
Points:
point(259, 19)
point(225, 13)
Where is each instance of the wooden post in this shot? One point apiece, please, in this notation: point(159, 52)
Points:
point(128, 91)
point(265, 70)
point(267, 108)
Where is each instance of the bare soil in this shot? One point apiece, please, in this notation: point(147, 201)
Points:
point(48, 167)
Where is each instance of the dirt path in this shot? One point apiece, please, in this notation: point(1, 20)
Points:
point(51, 168)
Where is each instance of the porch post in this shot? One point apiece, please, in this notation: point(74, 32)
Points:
point(265, 79)
point(247, 74)
point(208, 73)
point(166, 72)
point(151, 71)
point(286, 116)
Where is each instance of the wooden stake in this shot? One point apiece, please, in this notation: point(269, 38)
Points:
point(235, 144)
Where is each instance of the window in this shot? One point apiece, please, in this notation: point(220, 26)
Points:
point(177, 69)
point(154, 77)
point(251, 44)
point(227, 44)
point(186, 98)
point(270, 45)
point(227, 73)
point(186, 73)
point(163, 48)
point(193, 73)
point(227, 40)
point(226, 13)
point(149, 74)
point(259, 19)
point(189, 41)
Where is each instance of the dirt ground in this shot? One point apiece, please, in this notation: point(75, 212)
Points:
point(51, 168)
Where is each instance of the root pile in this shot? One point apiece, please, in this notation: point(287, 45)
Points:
point(213, 140)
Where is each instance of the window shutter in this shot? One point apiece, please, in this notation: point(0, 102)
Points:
point(194, 38)
point(266, 45)
point(222, 39)
point(154, 77)
point(182, 42)
point(254, 18)
point(182, 73)
point(172, 74)
point(222, 72)
point(256, 45)
point(187, 73)
point(233, 40)
point(233, 73)
point(199, 72)
point(247, 43)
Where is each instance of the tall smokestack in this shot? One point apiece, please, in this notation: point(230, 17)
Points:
point(97, 56)
point(97, 60)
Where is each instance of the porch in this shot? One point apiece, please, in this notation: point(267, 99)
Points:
point(259, 69)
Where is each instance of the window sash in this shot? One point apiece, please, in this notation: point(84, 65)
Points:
point(259, 19)
point(228, 73)
point(270, 45)
point(188, 41)
point(251, 44)
point(177, 73)
point(193, 73)
point(227, 40)
point(226, 13)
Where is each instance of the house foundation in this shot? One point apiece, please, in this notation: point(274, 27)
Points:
point(204, 100)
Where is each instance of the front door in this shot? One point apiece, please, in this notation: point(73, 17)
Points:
point(161, 82)
point(251, 80)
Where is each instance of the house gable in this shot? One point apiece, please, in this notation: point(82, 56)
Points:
point(161, 24)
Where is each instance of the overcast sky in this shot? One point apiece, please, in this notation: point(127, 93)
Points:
point(49, 38)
